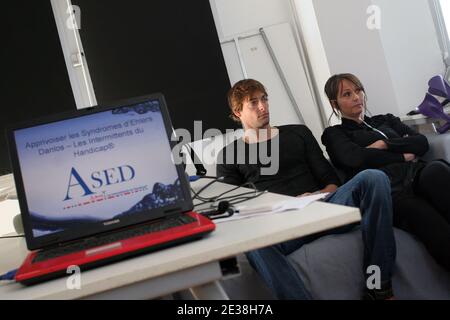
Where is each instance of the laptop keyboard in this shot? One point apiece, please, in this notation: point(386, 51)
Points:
point(113, 237)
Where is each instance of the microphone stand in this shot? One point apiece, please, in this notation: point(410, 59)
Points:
point(200, 169)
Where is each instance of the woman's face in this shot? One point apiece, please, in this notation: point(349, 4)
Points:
point(350, 100)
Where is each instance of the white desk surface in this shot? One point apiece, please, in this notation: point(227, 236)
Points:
point(420, 118)
point(8, 210)
point(228, 240)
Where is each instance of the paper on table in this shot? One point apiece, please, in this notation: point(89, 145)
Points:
point(8, 209)
point(243, 212)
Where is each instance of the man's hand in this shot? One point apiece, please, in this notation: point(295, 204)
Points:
point(306, 194)
point(328, 188)
point(409, 156)
point(379, 144)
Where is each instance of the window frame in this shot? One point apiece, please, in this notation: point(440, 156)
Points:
point(442, 32)
point(73, 51)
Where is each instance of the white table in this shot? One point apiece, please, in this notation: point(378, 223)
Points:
point(424, 124)
point(194, 265)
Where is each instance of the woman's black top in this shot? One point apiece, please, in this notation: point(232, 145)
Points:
point(346, 145)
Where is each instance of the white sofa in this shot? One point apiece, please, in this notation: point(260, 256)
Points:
point(439, 146)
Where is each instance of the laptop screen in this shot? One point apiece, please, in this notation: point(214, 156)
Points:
point(98, 169)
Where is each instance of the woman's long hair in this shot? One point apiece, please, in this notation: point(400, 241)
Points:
point(334, 85)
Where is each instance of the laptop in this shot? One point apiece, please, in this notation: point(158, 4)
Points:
point(99, 185)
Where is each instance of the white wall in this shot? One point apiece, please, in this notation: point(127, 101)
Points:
point(394, 62)
point(235, 18)
point(351, 47)
point(411, 48)
point(315, 53)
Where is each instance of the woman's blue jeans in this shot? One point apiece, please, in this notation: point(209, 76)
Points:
point(370, 191)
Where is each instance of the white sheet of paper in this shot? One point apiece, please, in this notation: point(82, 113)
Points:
point(244, 212)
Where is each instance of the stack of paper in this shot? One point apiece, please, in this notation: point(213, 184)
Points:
point(243, 212)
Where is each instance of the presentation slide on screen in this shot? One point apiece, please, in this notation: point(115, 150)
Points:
point(96, 167)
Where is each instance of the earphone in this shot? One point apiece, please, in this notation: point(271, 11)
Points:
point(224, 210)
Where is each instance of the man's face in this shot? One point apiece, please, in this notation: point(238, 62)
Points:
point(255, 111)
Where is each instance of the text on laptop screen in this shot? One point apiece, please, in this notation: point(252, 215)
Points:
point(97, 167)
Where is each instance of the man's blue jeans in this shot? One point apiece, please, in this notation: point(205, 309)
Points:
point(370, 191)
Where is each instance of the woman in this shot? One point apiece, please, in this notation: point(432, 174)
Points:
point(420, 190)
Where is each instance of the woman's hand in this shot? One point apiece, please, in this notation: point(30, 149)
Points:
point(409, 156)
point(379, 144)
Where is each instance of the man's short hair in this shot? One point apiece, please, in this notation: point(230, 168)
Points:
point(240, 92)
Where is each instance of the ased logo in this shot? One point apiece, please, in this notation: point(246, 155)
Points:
point(89, 185)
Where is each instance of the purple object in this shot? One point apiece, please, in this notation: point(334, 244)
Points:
point(439, 87)
point(431, 107)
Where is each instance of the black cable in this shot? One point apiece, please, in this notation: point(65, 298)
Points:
point(221, 198)
point(233, 199)
point(197, 194)
point(247, 198)
point(241, 186)
point(215, 198)
point(208, 185)
point(10, 237)
point(212, 199)
point(225, 209)
point(240, 194)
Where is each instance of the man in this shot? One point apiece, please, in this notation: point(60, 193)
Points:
point(303, 170)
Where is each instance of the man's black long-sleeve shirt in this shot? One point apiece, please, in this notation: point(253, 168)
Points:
point(346, 145)
point(302, 166)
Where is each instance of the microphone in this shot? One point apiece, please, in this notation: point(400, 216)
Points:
point(224, 210)
point(201, 171)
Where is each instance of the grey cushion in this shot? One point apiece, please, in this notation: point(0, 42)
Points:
point(331, 268)
point(439, 147)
